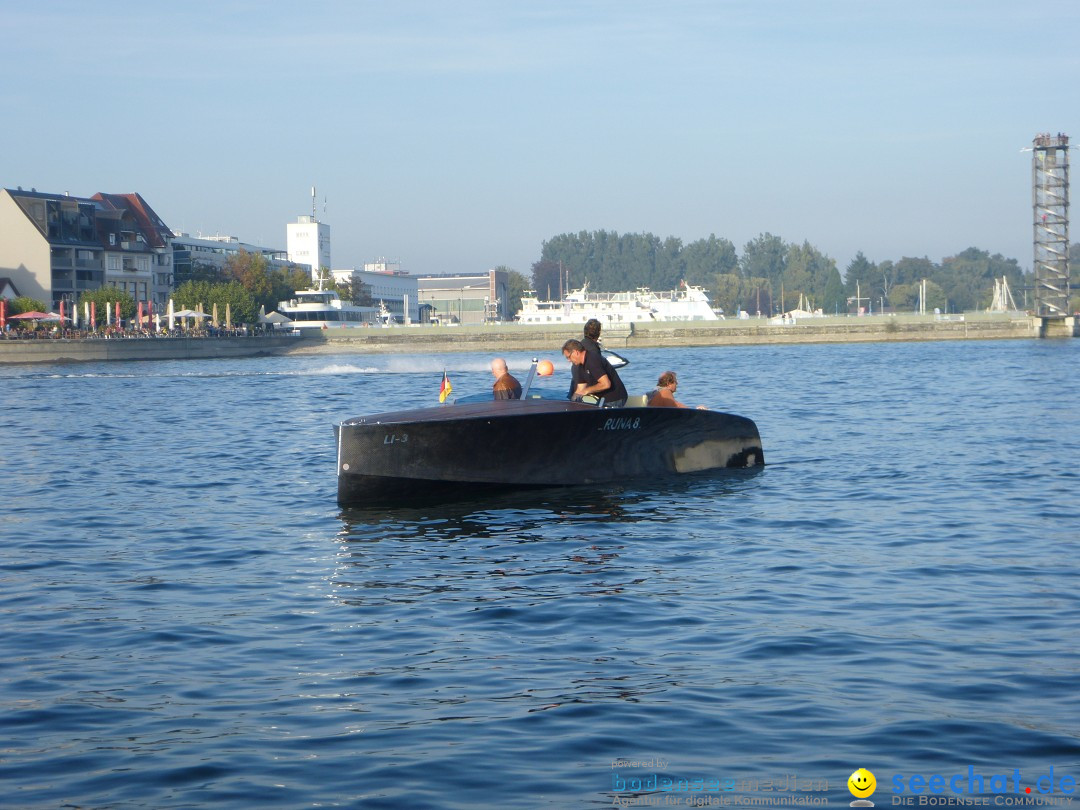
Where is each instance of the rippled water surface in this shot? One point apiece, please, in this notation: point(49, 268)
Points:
point(187, 618)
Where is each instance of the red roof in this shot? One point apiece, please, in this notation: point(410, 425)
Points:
point(154, 229)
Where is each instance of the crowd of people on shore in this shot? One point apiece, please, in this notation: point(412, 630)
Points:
point(114, 333)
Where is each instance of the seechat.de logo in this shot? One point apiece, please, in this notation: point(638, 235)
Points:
point(862, 784)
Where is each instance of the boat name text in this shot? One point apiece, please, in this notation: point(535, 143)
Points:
point(394, 438)
point(622, 423)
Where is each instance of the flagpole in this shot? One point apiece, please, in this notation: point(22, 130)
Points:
point(445, 388)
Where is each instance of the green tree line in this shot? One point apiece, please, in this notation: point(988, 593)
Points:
point(247, 283)
point(771, 275)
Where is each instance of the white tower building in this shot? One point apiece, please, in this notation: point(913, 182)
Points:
point(308, 241)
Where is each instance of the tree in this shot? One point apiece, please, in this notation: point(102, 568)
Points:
point(516, 285)
point(706, 259)
point(860, 273)
point(763, 257)
point(756, 295)
point(206, 271)
point(267, 286)
point(968, 278)
point(905, 297)
point(196, 294)
point(913, 271)
point(24, 303)
point(669, 266)
point(800, 268)
point(727, 292)
point(609, 262)
point(106, 297)
point(252, 271)
point(834, 300)
point(545, 278)
point(357, 293)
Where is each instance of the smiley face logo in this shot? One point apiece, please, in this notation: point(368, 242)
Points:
point(861, 783)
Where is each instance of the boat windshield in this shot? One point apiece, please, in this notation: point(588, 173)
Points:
point(304, 297)
point(534, 393)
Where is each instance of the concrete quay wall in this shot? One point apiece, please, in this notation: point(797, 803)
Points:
point(49, 350)
point(515, 337)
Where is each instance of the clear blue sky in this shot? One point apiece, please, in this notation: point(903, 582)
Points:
point(458, 136)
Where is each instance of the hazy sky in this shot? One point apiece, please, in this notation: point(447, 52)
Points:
point(459, 135)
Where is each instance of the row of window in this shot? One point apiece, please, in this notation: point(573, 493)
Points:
point(137, 289)
point(326, 315)
point(135, 264)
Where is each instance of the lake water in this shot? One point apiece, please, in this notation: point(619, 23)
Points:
point(188, 620)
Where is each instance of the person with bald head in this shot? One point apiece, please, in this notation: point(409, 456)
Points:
point(505, 387)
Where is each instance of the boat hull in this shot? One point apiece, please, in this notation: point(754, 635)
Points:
point(431, 452)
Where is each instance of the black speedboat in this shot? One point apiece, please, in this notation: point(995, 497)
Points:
point(471, 447)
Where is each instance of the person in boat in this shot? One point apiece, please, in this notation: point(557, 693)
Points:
point(596, 376)
point(506, 386)
point(591, 341)
point(663, 396)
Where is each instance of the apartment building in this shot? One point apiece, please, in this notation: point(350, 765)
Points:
point(55, 246)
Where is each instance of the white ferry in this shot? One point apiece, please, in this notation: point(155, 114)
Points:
point(323, 309)
point(688, 303)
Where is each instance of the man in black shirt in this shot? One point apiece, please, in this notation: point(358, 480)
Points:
point(591, 342)
point(595, 375)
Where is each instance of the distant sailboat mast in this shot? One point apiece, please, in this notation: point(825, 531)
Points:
point(1002, 300)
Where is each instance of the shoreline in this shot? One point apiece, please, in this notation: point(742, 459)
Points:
point(517, 337)
point(683, 334)
point(89, 350)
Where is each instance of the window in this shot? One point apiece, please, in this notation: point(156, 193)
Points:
point(52, 208)
point(86, 222)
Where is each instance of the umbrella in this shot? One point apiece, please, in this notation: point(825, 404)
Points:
point(228, 316)
point(29, 316)
point(53, 316)
point(189, 313)
point(274, 317)
point(214, 319)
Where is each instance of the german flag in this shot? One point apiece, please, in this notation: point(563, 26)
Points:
point(445, 388)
